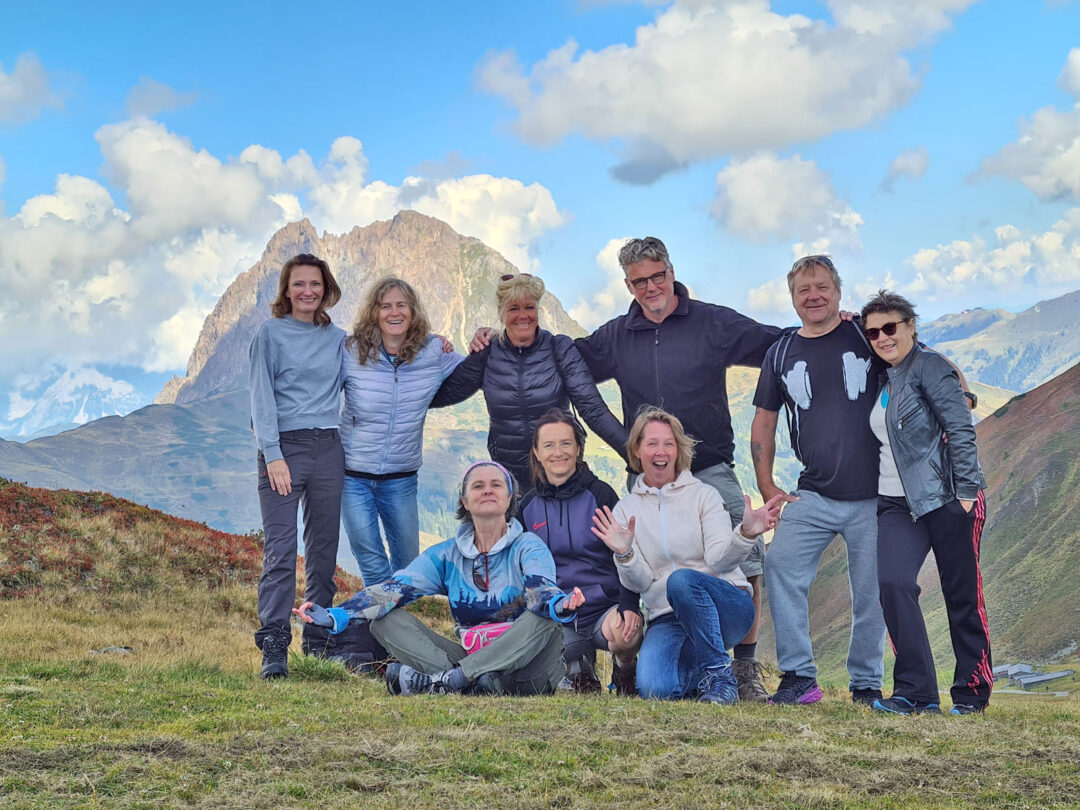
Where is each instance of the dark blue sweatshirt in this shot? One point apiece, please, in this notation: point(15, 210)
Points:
point(562, 517)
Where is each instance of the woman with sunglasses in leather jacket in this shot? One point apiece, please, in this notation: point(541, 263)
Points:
point(930, 497)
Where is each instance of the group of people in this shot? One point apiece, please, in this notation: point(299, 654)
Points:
point(667, 578)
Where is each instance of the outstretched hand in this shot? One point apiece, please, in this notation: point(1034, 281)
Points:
point(572, 602)
point(482, 339)
point(310, 613)
point(618, 538)
point(756, 521)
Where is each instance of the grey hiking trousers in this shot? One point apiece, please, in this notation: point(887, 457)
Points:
point(528, 656)
point(317, 468)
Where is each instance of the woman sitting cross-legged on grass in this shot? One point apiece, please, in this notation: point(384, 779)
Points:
point(674, 544)
point(560, 511)
point(492, 571)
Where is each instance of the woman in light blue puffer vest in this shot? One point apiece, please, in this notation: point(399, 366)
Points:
point(391, 368)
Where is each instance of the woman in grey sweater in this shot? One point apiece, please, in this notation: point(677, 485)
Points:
point(295, 388)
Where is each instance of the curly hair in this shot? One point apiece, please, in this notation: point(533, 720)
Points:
point(366, 338)
point(282, 305)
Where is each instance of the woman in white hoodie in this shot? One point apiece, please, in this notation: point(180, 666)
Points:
point(673, 543)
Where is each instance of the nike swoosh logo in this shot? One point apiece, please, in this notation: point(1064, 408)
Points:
point(539, 525)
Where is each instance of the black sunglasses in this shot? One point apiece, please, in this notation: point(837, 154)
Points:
point(656, 278)
point(511, 276)
point(888, 329)
point(481, 581)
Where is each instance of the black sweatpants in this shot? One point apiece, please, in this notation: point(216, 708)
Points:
point(317, 469)
point(954, 536)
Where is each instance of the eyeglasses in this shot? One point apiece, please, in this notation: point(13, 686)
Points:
point(481, 580)
point(888, 329)
point(511, 276)
point(821, 259)
point(656, 278)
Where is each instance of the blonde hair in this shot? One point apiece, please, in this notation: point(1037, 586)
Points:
point(515, 289)
point(366, 338)
point(282, 305)
point(684, 443)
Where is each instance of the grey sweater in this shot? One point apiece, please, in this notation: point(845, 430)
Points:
point(295, 380)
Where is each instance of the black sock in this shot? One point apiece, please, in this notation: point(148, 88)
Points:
point(745, 650)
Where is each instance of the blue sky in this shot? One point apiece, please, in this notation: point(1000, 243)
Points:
point(147, 152)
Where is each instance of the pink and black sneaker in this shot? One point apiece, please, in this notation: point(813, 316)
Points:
point(796, 690)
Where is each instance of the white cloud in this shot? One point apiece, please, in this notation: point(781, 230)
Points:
point(765, 198)
point(1069, 80)
point(713, 77)
point(1046, 156)
point(1013, 260)
point(613, 298)
point(150, 97)
point(25, 92)
point(91, 282)
point(909, 163)
point(502, 212)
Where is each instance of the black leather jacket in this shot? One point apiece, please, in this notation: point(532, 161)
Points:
point(925, 400)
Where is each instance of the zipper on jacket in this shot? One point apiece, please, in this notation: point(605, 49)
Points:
point(393, 418)
point(663, 526)
point(656, 366)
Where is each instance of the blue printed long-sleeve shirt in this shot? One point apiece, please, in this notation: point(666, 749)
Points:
point(519, 573)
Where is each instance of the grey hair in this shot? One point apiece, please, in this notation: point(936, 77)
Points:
point(808, 263)
point(636, 250)
point(886, 301)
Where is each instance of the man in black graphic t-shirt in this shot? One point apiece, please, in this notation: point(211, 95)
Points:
point(824, 376)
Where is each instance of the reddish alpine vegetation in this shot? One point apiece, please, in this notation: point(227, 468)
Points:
point(94, 541)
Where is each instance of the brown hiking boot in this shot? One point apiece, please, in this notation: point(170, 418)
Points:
point(624, 680)
point(748, 674)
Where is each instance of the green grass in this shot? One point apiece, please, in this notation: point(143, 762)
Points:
point(184, 721)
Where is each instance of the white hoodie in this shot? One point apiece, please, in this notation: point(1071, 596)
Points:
point(681, 525)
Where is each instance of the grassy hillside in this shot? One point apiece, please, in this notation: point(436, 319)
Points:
point(183, 721)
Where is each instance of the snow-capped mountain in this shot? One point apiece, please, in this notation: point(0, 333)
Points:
point(74, 398)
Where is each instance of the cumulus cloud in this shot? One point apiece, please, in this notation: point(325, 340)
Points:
point(713, 77)
point(26, 91)
point(765, 198)
point(93, 281)
point(613, 298)
point(150, 97)
point(502, 212)
point(909, 163)
point(1046, 156)
point(1013, 260)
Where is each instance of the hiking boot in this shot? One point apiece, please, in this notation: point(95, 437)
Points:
point(796, 690)
point(865, 697)
point(966, 708)
point(719, 686)
point(901, 705)
point(275, 662)
point(748, 673)
point(623, 679)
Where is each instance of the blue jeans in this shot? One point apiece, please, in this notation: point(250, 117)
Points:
point(807, 527)
point(709, 615)
point(364, 503)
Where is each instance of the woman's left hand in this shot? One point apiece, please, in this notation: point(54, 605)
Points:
point(756, 521)
point(572, 602)
point(967, 505)
point(447, 344)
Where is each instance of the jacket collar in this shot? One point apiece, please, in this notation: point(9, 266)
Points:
point(541, 336)
point(466, 541)
point(901, 368)
point(635, 318)
point(684, 479)
point(578, 482)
